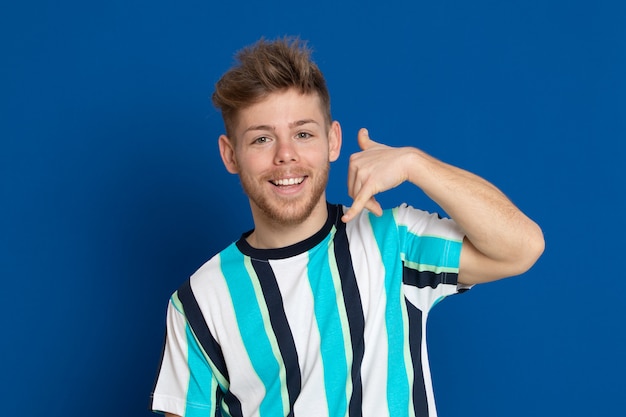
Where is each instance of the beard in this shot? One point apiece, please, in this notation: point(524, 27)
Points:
point(286, 210)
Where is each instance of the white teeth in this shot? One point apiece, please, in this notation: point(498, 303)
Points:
point(288, 181)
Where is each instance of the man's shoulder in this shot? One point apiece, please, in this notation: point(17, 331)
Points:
point(408, 218)
point(391, 213)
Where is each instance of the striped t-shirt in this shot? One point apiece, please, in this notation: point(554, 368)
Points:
point(331, 326)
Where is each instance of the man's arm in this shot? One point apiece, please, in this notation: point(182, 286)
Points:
point(171, 415)
point(501, 241)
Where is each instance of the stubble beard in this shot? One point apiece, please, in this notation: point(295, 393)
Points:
point(286, 211)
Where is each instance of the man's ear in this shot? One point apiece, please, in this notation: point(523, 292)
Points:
point(334, 141)
point(227, 151)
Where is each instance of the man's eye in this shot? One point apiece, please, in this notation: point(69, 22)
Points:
point(262, 139)
point(303, 135)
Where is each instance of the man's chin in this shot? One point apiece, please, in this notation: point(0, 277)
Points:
point(291, 216)
point(287, 213)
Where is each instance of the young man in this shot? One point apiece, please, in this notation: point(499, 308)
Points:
point(321, 310)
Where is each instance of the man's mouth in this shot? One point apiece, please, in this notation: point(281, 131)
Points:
point(287, 181)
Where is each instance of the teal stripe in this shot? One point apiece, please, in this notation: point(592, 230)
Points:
point(252, 327)
point(386, 236)
point(202, 385)
point(330, 327)
point(432, 250)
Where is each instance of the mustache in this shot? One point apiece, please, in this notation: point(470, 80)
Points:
point(285, 173)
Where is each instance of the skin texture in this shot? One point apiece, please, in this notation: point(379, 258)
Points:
point(283, 138)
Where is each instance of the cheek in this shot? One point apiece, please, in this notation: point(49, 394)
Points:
point(315, 155)
point(250, 163)
point(325, 157)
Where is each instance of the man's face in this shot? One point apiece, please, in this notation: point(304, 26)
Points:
point(282, 149)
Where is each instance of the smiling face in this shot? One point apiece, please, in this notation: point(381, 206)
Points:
point(282, 149)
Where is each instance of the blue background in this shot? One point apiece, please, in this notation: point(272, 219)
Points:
point(112, 191)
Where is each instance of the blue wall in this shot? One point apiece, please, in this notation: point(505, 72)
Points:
point(112, 192)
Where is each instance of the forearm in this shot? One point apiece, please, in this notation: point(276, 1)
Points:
point(495, 227)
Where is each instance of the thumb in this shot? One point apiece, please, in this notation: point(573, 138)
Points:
point(364, 139)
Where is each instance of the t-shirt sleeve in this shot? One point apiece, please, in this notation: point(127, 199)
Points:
point(431, 253)
point(185, 380)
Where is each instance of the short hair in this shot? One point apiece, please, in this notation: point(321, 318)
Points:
point(267, 67)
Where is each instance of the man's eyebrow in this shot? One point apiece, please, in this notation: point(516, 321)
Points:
point(272, 128)
point(259, 127)
point(302, 122)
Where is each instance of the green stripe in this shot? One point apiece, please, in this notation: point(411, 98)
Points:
point(431, 268)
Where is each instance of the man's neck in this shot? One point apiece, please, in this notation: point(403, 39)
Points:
point(269, 234)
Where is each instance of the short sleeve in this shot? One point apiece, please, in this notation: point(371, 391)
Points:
point(431, 251)
point(185, 384)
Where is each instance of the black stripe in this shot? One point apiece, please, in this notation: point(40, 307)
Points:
point(218, 396)
point(420, 402)
point(196, 320)
point(233, 403)
point(280, 326)
point(423, 279)
point(354, 312)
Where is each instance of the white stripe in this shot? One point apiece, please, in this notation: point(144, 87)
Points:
point(370, 273)
point(174, 373)
point(299, 308)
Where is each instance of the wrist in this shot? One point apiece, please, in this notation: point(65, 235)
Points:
point(417, 164)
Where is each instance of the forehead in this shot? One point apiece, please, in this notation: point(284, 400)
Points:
point(281, 109)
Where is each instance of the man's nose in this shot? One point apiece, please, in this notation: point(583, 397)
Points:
point(285, 151)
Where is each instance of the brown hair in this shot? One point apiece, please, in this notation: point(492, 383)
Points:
point(264, 68)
